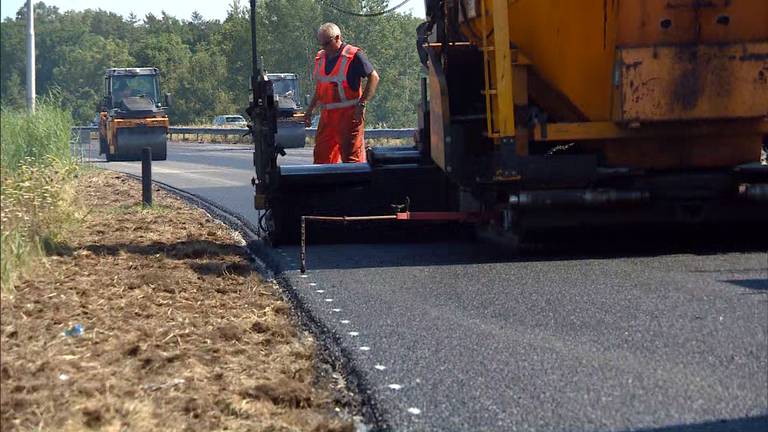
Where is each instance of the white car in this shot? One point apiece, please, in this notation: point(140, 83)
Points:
point(233, 121)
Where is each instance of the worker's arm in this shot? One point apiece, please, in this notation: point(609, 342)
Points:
point(310, 108)
point(371, 84)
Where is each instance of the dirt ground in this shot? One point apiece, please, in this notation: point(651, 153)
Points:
point(179, 333)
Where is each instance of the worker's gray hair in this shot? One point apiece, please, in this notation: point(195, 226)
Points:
point(329, 29)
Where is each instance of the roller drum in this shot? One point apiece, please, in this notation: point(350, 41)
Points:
point(130, 142)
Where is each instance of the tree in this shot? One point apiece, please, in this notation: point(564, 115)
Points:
point(233, 42)
point(199, 100)
point(206, 64)
point(289, 37)
point(390, 45)
point(12, 63)
point(80, 75)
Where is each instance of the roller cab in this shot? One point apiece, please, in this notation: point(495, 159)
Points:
point(132, 116)
point(289, 110)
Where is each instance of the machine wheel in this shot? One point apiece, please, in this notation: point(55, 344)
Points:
point(278, 235)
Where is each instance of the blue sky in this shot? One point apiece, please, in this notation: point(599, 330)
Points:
point(179, 9)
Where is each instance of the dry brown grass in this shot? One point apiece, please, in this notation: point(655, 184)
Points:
point(180, 333)
point(37, 205)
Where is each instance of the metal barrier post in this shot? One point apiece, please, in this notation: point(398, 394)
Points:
point(146, 177)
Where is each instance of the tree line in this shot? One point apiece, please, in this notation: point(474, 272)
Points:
point(206, 63)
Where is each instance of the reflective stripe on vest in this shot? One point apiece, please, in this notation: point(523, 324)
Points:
point(340, 77)
point(335, 105)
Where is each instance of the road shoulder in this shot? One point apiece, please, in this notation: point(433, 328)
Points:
point(155, 319)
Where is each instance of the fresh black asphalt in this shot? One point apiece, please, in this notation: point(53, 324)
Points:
point(457, 336)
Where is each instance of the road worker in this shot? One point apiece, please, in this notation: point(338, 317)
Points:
point(339, 71)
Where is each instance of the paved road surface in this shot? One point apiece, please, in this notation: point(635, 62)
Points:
point(451, 336)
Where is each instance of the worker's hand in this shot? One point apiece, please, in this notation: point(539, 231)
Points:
point(359, 113)
point(308, 118)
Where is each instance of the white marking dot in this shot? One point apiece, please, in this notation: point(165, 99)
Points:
point(312, 284)
point(304, 276)
point(336, 310)
point(414, 411)
point(344, 321)
point(353, 333)
point(395, 386)
point(329, 300)
point(365, 348)
point(319, 291)
point(380, 367)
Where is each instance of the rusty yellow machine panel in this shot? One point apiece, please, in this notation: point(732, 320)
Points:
point(639, 60)
point(693, 82)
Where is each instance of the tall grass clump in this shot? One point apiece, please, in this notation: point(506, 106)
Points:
point(36, 138)
point(37, 198)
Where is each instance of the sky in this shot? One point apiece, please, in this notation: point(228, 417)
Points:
point(180, 9)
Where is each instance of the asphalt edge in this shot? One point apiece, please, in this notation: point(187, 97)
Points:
point(267, 264)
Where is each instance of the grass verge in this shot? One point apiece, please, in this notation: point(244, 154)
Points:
point(178, 332)
point(36, 193)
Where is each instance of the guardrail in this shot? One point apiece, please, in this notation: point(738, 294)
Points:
point(191, 130)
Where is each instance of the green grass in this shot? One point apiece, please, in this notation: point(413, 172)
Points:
point(34, 138)
point(38, 200)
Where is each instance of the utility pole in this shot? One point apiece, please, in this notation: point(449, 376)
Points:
point(30, 56)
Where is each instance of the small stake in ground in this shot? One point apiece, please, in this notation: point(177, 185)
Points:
point(146, 177)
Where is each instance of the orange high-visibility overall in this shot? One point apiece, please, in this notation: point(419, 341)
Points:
point(339, 137)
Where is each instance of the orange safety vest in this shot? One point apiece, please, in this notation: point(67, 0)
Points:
point(333, 90)
point(339, 137)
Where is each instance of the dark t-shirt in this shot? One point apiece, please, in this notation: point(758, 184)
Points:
point(359, 69)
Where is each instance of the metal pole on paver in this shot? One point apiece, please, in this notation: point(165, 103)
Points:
point(30, 56)
point(146, 177)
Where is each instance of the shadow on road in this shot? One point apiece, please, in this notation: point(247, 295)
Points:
point(747, 424)
point(360, 248)
point(752, 284)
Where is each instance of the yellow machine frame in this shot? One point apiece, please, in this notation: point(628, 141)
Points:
point(633, 69)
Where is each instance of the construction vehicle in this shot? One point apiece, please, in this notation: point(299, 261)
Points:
point(132, 116)
point(542, 114)
point(291, 132)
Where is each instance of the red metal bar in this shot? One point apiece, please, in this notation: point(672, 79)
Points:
point(468, 217)
point(440, 216)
